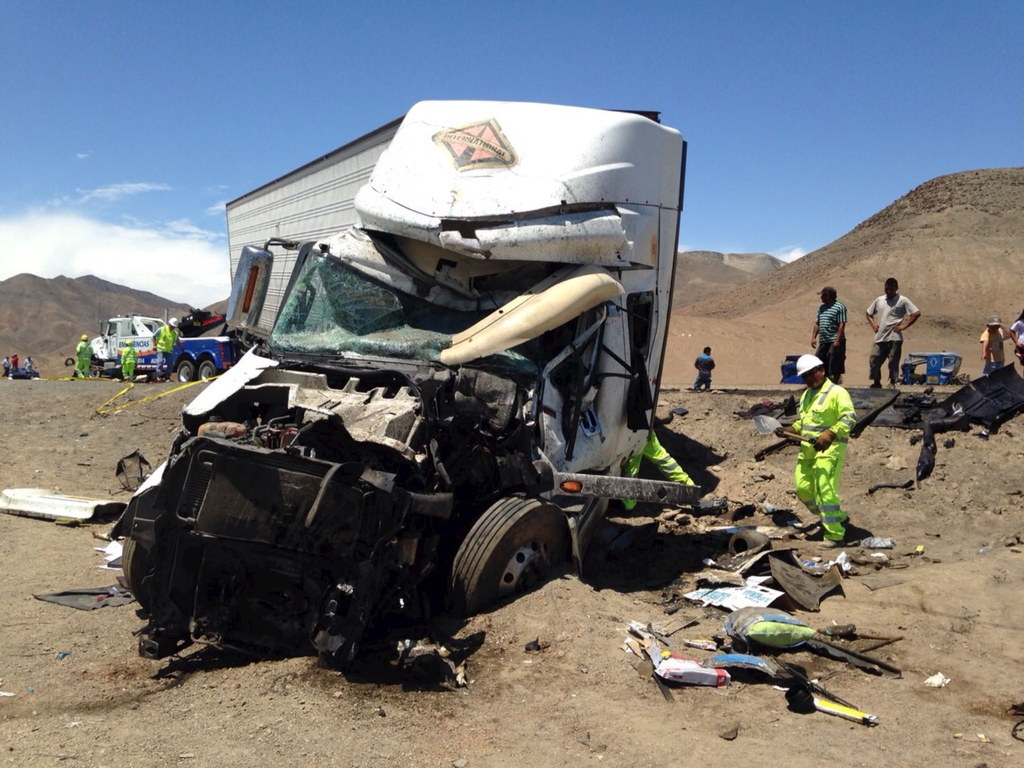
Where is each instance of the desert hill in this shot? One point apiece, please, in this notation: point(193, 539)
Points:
point(45, 317)
point(955, 243)
point(704, 274)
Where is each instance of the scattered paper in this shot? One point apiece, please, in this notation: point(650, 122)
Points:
point(734, 598)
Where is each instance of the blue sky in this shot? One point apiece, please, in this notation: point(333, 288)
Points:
point(127, 125)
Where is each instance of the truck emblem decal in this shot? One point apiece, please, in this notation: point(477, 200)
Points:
point(480, 145)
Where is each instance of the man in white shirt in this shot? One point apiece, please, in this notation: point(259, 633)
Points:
point(889, 315)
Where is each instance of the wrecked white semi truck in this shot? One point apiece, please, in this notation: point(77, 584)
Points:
point(442, 410)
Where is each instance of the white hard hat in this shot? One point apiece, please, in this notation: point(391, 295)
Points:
point(173, 322)
point(806, 364)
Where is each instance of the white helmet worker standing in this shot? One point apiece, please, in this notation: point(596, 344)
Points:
point(806, 364)
point(825, 419)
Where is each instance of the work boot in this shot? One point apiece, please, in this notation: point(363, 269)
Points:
point(833, 543)
point(875, 385)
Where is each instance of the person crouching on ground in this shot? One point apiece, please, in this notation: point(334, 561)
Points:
point(662, 459)
point(826, 417)
point(704, 364)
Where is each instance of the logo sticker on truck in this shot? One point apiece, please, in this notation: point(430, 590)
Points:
point(480, 145)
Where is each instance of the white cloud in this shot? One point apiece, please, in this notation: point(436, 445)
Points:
point(217, 209)
point(185, 228)
point(82, 155)
point(120, 191)
point(789, 253)
point(176, 260)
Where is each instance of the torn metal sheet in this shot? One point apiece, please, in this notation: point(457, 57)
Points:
point(926, 461)
point(746, 661)
point(244, 371)
point(88, 598)
point(856, 658)
point(740, 563)
point(803, 588)
point(132, 470)
point(47, 505)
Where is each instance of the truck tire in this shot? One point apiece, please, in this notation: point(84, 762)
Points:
point(137, 566)
point(207, 370)
point(186, 370)
point(513, 547)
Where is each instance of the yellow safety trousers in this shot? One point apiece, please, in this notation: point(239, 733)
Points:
point(817, 486)
point(667, 466)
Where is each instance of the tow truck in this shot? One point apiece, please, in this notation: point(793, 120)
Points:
point(201, 357)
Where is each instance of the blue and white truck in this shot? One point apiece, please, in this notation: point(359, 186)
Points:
point(202, 357)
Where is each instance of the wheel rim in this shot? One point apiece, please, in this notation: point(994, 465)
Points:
point(524, 569)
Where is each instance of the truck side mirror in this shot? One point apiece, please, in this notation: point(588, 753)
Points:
point(249, 289)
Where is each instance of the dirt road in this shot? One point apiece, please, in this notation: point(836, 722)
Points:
point(83, 697)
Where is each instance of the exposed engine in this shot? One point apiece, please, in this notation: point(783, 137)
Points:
point(309, 502)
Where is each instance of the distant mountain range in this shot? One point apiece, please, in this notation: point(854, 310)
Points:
point(704, 274)
point(955, 243)
point(45, 318)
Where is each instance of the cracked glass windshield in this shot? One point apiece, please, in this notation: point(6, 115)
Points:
point(334, 309)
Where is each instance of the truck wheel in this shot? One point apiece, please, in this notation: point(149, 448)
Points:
point(136, 561)
point(186, 370)
point(512, 548)
point(207, 370)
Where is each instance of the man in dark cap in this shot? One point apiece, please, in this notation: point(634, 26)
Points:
point(828, 336)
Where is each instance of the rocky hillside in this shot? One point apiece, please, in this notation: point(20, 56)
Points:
point(955, 243)
point(44, 317)
point(704, 274)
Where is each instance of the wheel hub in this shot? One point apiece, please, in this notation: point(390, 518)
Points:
point(522, 567)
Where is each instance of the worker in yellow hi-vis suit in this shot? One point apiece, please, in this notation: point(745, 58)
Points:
point(83, 357)
point(826, 417)
point(128, 360)
point(668, 466)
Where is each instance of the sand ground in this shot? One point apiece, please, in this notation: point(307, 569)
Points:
point(83, 697)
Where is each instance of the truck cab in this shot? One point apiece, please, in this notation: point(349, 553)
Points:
point(442, 410)
point(136, 330)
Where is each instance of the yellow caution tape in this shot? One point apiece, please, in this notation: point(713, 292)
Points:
point(107, 408)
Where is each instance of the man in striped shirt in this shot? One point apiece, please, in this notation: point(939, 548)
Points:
point(828, 336)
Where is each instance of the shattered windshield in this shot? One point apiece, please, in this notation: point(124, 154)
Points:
point(333, 309)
